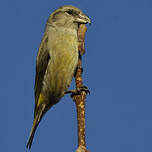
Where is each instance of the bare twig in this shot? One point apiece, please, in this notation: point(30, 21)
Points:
point(80, 99)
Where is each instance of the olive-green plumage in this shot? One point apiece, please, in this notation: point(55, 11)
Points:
point(56, 60)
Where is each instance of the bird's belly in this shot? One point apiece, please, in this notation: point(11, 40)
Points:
point(60, 71)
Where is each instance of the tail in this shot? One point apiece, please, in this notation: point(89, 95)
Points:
point(37, 119)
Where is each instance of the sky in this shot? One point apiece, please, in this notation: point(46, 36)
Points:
point(117, 69)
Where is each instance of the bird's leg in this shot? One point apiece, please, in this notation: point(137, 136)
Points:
point(78, 91)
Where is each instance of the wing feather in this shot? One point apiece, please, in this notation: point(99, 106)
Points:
point(41, 66)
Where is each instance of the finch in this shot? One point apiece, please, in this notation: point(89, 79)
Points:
point(56, 60)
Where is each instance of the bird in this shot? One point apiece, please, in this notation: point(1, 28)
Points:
point(56, 61)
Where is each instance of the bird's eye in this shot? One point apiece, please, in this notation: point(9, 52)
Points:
point(70, 12)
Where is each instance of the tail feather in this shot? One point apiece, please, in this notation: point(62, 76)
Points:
point(34, 126)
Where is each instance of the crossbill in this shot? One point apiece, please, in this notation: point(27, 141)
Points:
point(56, 61)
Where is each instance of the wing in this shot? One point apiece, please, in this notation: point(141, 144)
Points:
point(41, 66)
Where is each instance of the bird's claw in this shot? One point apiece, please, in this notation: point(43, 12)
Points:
point(78, 91)
point(84, 88)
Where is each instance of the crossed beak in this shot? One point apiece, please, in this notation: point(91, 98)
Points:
point(83, 19)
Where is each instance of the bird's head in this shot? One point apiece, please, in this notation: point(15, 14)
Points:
point(68, 15)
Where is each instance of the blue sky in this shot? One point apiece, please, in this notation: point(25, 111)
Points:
point(117, 69)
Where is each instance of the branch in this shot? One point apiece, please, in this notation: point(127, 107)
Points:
point(80, 99)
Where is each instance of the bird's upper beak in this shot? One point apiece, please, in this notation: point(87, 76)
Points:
point(83, 19)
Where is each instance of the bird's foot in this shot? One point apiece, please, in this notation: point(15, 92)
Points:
point(78, 91)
